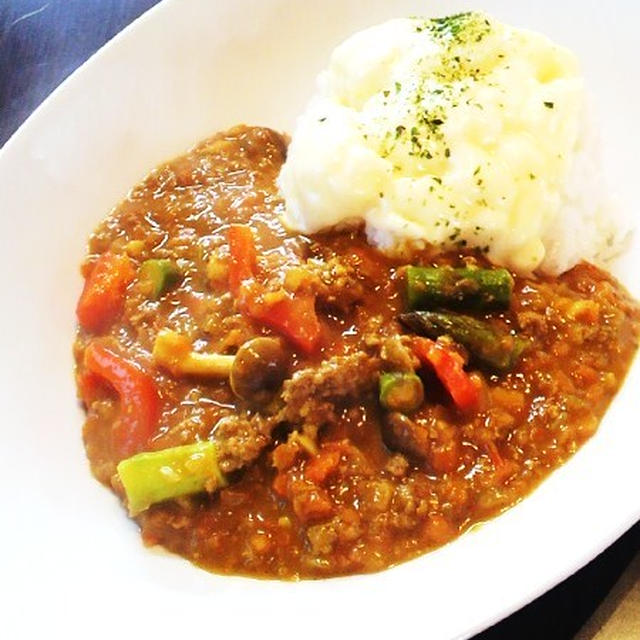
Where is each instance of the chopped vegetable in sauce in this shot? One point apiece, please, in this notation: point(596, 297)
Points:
point(469, 289)
point(174, 352)
point(161, 475)
point(495, 349)
point(139, 399)
point(400, 391)
point(158, 276)
point(103, 294)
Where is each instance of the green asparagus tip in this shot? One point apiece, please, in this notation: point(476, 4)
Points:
point(156, 476)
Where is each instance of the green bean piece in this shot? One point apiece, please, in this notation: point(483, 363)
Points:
point(158, 276)
point(155, 476)
point(497, 350)
point(401, 391)
point(463, 289)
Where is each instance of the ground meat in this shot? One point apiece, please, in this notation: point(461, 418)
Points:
point(342, 528)
point(397, 465)
point(338, 285)
point(322, 538)
point(397, 355)
point(309, 398)
point(311, 394)
point(241, 439)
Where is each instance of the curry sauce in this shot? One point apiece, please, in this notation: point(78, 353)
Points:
point(323, 475)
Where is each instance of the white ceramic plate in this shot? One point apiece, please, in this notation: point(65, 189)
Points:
point(72, 562)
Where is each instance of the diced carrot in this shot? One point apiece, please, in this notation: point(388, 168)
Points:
point(243, 256)
point(320, 467)
point(296, 319)
point(284, 455)
point(444, 453)
point(311, 503)
point(280, 484)
point(104, 290)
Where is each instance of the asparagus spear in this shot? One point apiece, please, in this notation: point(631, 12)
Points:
point(170, 473)
point(499, 351)
point(473, 289)
point(401, 391)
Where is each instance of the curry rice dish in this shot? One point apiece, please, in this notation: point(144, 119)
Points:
point(295, 406)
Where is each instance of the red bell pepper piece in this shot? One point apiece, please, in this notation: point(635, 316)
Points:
point(448, 367)
point(91, 387)
point(293, 316)
point(296, 319)
point(139, 399)
point(103, 294)
point(243, 256)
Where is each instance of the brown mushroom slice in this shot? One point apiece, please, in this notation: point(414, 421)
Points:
point(255, 373)
point(259, 368)
point(401, 433)
point(437, 445)
point(174, 352)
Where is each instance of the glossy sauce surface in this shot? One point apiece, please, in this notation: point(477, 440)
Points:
point(347, 503)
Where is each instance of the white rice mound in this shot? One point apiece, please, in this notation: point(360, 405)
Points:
point(522, 124)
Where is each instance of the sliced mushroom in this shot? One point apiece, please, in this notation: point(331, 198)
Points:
point(401, 433)
point(258, 370)
point(173, 351)
point(255, 373)
point(438, 444)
